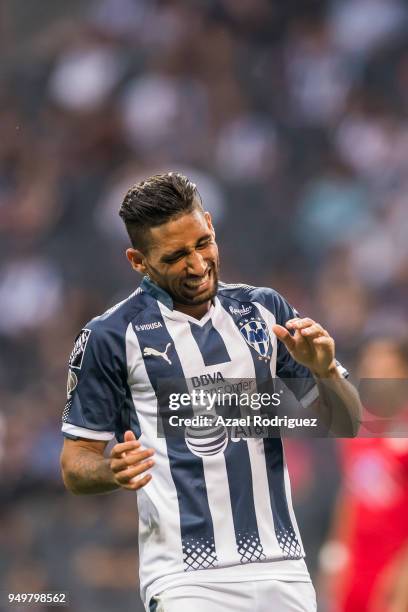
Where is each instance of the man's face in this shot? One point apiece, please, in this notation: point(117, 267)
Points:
point(183, 258)
point(383, 394)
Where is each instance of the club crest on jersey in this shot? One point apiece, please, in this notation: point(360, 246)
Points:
point(256, 335)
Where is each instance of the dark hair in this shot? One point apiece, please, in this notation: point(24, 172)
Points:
point(155, 201)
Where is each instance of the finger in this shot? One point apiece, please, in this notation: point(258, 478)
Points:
point(126, 475)
point(124, 447)
point(313, 331)
point(299, 323)
point(323, 340)
point(138, 483)
point(129, 436)
point(284, 336)
point(130, 459)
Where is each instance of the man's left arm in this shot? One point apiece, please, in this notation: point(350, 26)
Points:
point(338, 405)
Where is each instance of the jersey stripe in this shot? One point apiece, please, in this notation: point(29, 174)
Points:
point(242, 501)
point(210, 343)
point(226, 325)
point(159, 521)
point(216, 478)
point(284, 529)
point(239, 474)
point(262, 503)
point(196, 524)
point(305, 401)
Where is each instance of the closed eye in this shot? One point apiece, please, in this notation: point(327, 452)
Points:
point(174, 257)
point(204, 243)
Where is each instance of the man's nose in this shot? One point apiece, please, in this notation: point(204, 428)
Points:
point(196, 264)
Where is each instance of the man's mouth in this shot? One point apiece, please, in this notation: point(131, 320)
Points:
point(200, 284)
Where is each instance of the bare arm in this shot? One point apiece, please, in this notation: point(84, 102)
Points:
point(338, 404)
point(86, 470)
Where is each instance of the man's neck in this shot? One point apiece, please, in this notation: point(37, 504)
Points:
point(197, 312)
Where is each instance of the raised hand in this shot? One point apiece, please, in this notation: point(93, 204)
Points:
point(310, 345)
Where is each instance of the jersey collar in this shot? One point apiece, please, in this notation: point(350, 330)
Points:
point(157, 292)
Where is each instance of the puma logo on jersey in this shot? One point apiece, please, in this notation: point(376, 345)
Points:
point(152, 352)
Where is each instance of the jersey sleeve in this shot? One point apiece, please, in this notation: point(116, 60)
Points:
point(96, 386)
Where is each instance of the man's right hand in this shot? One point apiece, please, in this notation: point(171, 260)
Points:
point(128, 462)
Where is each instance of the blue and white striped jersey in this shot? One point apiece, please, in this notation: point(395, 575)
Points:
point(224, 514)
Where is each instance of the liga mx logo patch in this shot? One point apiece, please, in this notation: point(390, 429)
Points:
point(256, 335)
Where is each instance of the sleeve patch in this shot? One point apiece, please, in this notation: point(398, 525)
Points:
point(71, 383)
point(78, 352)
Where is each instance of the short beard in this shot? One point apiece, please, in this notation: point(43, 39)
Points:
point(184, 301)
point(202, 300)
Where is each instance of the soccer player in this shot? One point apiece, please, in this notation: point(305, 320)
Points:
point(367, 551)
point(216, 524)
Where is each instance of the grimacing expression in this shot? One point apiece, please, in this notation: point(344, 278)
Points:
point(183, 258)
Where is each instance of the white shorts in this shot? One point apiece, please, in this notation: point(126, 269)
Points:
point(255, 596)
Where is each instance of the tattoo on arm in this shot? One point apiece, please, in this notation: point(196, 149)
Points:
point(89, 473)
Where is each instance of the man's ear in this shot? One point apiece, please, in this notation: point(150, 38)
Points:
point(207, 216)
point(136, 259)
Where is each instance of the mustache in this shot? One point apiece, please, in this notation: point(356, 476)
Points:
point(198, 276)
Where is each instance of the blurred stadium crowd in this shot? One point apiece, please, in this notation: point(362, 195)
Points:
point(291, 117)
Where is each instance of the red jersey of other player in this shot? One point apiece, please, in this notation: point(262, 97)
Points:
point(365, 562)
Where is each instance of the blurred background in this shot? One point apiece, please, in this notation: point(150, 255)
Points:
point(291, 117)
